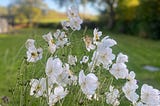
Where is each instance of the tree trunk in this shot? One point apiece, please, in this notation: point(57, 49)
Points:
point(111, 20)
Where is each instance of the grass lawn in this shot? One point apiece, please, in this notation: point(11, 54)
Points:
point(140, 52)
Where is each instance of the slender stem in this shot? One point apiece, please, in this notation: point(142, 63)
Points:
point(94, 62)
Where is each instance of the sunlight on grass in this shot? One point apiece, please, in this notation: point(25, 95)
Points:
point(3, 35)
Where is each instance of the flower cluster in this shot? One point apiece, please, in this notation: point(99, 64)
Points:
point(33, 54)
point(59, 40)
point(112, 96)
point(74, 20)
point(59, 75)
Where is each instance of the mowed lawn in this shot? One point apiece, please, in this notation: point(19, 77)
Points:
point(140, 52)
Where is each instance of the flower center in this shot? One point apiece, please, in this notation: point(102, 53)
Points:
point(33, 54)
point(97, 37)
point(52, 41)
point(38, 87)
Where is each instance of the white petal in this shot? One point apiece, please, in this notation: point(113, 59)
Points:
point(81, 77)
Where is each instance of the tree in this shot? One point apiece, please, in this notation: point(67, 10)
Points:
point(149, 18)
point(110, 7)
point(126, 16)
point(30, 9)
point(127, 9)
point(3, 11)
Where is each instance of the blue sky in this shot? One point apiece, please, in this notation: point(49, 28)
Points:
point(53, 5)
point(4, 2)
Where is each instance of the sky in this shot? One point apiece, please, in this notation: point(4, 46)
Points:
point(52, 5)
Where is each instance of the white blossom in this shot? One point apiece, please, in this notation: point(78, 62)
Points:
point(119, 70)
point(71, 78)
point(59, 93)
point(112, 96)
point(132, 82)
point(72, 12)
point(38, 87)
point(66, 77)
point(57, 34)
point(97, 34)
point(150, 96)
point(58, 73)
point(61, 38)
point(75, 23)
point(88, 83)
point(104, 57)
point(130, 93)
point(51, 43)
point(121, 58)
point(48, 37)
point(33, 54)
point(84, 59)
point(88, 43)
point(30, 43)
point(106, 42)
point(53, 68)
point(130, 87)
point(74, 20)
point(72, 59)
point(65, 24)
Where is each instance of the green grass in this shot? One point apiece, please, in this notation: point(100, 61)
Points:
point(140, 52)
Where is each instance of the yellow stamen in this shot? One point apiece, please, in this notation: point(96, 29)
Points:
point(52, 41)
point(33, 54)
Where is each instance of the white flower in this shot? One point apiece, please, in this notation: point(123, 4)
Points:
point(121, 58)
point(72, 12)
point(119, 70)
point(131, 76)
point(51, 43)
point(130, 92)
point(48, 37)
point(71, 79)
point(150, 96)
point(88, 43)
point(104, 56)
point(106, 42)
point(112, 96)
point(97, 34)
point(132, 83)
point(72, 60)
point(33, 54)
point(130, 87)
point(66, 77)
point(57, 34)
point(53, 68)
point(59, 74)
point(61, 37)
point(65, 25)
point(62, 40)
point(30, 43)
point(84, 59)
point(75, 23)
point(74, 20)
point(130, 95)
point(38, 87)
point(88, 83)
point(59, 93)
point(52, 47)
